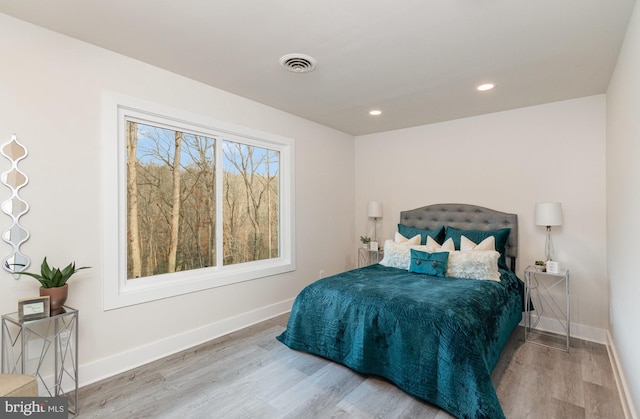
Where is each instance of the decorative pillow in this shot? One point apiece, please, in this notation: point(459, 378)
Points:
point(501, 237)
point(429, 263)
point(398, 255)
point(434, 246)
point(399, 238)
point(477, 264)
point(437, 234)
point(487, 244)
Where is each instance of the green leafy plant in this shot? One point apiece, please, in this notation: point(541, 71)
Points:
point(541, 266)
point(365, 239)
point(50, 277)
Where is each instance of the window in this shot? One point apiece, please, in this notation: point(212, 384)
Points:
point(250, 210)
point(190, 203)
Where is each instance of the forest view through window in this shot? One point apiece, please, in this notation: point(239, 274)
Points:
point(178, 181)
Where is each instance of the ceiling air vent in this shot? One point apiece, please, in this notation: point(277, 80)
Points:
point(298, 63)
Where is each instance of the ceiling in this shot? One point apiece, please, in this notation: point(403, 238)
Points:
point(418, 61)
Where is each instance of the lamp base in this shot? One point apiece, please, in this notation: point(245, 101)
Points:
point(375, 229)
point(548, 247)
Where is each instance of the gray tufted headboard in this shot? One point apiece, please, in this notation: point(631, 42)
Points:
point(464, 217)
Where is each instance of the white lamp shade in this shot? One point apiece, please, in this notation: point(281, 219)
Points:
point(549, 214)
point(374, 209)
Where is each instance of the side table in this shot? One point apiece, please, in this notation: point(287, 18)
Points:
point(368, 257)
point(46, 348)
point(547, 296)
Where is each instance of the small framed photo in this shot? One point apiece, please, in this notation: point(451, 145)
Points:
point(553, 267)
point(33, 308)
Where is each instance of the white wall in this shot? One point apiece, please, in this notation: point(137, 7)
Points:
point(50, 96)
point(506, 161)
point(623, 203)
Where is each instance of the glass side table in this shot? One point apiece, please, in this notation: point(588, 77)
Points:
point(46, 348)
point(368, 257)
point(547, 300)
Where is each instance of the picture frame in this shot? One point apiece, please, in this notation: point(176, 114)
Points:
point(553, 267)
point(33, 308)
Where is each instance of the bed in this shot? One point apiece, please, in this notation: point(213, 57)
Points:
point(435, 337)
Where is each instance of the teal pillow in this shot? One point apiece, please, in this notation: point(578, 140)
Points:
point(501, 236)
point(429, 263)
point(409, 232)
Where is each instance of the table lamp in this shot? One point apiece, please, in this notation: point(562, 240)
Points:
point(374, 210)
point(549, 214)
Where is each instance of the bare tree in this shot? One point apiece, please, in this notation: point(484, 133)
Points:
point(198, 200)
point(241, 157)
point(253, 166)
point(132, 200)
point(175, 209)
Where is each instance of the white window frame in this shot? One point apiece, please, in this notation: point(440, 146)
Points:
point(120, 292)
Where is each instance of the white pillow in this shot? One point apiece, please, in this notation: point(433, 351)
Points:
point(487, 244)
point(434, 246)
point(398, 255)
point(399, 238)
point(476, 264)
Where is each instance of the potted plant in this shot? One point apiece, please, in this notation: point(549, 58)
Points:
point(365, 241)
point(541, 266)
point(54, 282)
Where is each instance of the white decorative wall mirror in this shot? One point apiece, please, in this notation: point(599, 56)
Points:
point(15, 207)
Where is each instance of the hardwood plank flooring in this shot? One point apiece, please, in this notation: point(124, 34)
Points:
point(249, 374)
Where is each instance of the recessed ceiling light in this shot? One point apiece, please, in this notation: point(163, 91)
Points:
point(485, 87)
point(375, 112)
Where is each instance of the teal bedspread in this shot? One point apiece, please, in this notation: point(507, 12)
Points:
point(436, 338)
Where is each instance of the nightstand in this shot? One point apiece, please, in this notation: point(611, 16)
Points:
point(547, 316)
point(367, 256)
point(46, 348)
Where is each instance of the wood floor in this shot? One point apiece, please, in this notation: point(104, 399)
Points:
point(249, 374)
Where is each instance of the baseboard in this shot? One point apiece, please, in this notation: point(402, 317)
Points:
point(124, 361)
point(621, 382)
point(580, 331)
